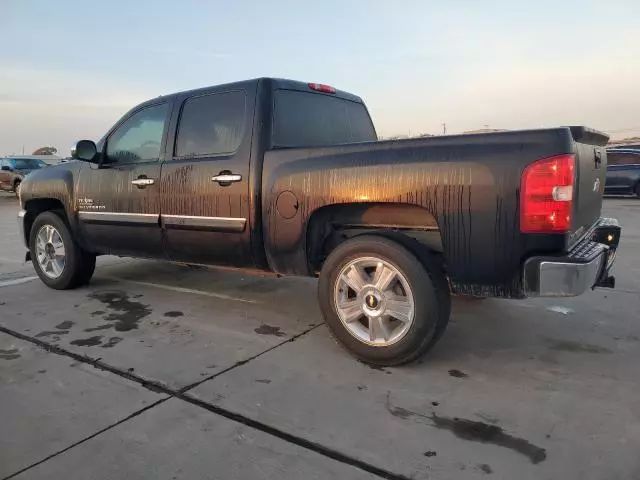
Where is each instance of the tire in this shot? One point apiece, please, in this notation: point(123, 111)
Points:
point(77, 266)
point(419, 282)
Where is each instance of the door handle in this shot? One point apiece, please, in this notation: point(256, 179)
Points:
point(143, 182)
point(226, 178)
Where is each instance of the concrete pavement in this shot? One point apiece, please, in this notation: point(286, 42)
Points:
point(166, 371)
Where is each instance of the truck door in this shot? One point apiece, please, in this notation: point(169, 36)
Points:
point(205, 179)
point(119, 204)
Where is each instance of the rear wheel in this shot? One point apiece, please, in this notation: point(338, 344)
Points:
point(382, 303)
point(57, 258)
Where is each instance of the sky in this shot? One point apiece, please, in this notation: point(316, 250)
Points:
point(70, 68)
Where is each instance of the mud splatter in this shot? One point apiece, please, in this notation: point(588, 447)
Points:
point(457, 373)
point(88, 342)
point(112, 342)
point(66, 325)
point(97, 312)
point(483, 467)
point(106, 326)
point(173, 314)
point(263, 380)
point(269, 330)
point(435, 404)
point(576, 347)
point(124, 312)
point(42, 371)
point(361, 387)
point(9, 354)
point(430, 453)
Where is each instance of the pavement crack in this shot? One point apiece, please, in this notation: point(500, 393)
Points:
point(86, 439)
point(250, 359)
point(182, 394)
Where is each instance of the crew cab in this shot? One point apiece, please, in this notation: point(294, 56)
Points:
point(290, 177)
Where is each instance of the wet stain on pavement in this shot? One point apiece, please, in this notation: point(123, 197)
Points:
point(173, 314)
point(88, 342)
point(457, 373)
point(263, 380)
point(124, 312)
point(66, 325)
point(106, 326)
point(473, 431)
point(9, 354)
point(53, 333)
point(576, 347)
point(269, 330)
point(400, 412)
point(112, 342)
point(485, 433)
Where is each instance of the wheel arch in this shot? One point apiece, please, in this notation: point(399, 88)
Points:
point(412, 226)
point(35, 207)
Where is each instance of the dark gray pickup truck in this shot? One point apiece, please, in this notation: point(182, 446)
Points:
point(290, 177)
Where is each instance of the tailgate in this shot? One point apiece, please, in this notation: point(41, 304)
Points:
point(591, 173)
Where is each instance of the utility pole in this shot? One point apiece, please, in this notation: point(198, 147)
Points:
point(23, 149)
point(444, 128)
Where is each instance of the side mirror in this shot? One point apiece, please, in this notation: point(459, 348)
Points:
point(85, 150)
point(6, 168)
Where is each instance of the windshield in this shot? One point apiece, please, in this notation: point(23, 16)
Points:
point(27, 163)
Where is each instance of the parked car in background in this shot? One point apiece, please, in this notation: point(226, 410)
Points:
point(623, 171)
point(13, 170)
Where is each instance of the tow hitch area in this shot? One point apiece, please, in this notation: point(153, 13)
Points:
point(607, 233)
point(607, 281)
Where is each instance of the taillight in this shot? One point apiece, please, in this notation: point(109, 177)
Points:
point(546, 195)
point(318, 87)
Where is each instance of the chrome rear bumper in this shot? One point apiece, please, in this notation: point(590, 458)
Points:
point(585, 266)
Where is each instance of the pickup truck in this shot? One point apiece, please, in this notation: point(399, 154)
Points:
point(290, 177)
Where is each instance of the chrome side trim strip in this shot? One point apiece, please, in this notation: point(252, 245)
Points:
point(117, 217)
point(216, 224)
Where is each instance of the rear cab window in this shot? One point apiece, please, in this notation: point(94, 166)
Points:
point(303, 119)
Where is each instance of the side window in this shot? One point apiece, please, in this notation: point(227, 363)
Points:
point(211, 125)
point(139, 138)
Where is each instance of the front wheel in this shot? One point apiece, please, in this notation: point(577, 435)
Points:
point(57, 258)
point(382, 303)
